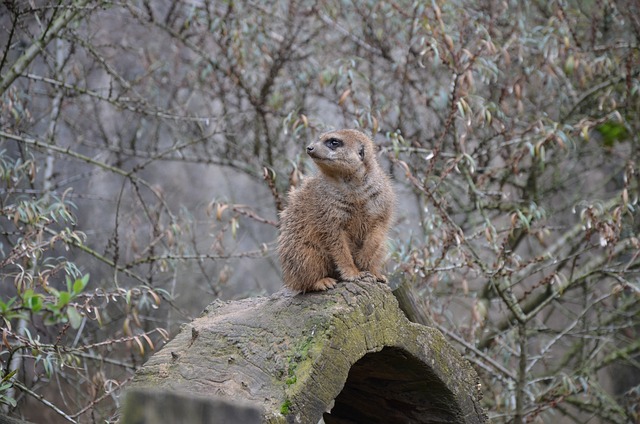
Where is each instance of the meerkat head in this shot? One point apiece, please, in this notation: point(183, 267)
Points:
point(342, 152)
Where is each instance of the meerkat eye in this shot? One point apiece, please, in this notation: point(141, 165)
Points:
point(333, 143)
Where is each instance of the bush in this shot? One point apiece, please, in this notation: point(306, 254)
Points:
point(151, 145)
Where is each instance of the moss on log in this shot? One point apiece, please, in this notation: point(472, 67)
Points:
point(346, 355)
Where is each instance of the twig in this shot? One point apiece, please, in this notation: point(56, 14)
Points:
point(504, 372)
point(254, 216)
point(248, 254)
point(38, 46)
point(101, 398)
point(536, 303)
point(44, 401)
point(522, 372)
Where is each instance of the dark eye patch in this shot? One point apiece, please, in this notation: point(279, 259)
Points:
point(333, 143)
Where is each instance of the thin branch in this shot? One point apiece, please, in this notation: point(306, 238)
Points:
point(44, 401)
point(503, 372)
point(535, 303)
point(122, 102)
point(36, 48)
point(106, 394)
point(169, 257)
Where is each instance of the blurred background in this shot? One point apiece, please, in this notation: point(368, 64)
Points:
point(146, 148)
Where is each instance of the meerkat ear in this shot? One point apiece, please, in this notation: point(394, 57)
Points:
point(361, 152)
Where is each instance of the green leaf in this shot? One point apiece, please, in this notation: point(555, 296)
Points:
point(26, 295)
point(612, 132)
point(4, 307)
point(75, 318)
point(35, 303)
point(569, 65)
point(52, 291)
point(63, 299)
point(52, 319)
point(48, 366)
point(31, 300)
point(80, 284)
point(523, 219)
point(8, 400)
point(8, 376)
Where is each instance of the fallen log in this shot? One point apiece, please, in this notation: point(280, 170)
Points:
point(348, 355)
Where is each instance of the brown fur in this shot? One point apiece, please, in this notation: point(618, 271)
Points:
point(335, 225)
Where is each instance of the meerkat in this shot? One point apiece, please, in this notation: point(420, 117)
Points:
point(336, 223)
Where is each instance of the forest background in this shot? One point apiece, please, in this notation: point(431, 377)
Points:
point(146, 148)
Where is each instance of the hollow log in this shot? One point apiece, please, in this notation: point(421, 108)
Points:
point(348, 355)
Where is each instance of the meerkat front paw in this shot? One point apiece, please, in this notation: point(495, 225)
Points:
point(364, 276)
point(324, 284)
point(381, 278)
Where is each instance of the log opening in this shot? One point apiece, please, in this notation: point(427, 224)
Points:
point(395, 385)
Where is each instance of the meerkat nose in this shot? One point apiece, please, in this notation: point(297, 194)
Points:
point(309, 149)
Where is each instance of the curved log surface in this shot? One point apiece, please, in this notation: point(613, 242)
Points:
point(348, 355)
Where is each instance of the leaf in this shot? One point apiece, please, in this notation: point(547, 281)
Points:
point(32, 301)
point(63, 299)
point(98, 317)
point(344, 96)
point(11, 401)
point(156, 298)
point(80, 284)
point(523, 219)
point(52, 319)
point(35, 303)
point(220, 209)
point(126, 328)
point(140, 345)
point(569, 65)
point(612, 132)
point(48, 366)
point(4, 307)
point(26, 295)
point(148, 339)
point(163, 333)
point(460, 108)
point(5, 341)
point(75, 318)
point(8, 376)
point(234, 227)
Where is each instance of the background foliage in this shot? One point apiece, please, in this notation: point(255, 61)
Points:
point(146, 147)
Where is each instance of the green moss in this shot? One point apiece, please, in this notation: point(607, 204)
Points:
point(284, 408)
point(299, 355)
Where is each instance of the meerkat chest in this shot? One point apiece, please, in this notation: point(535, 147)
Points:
point(362, 215)
point(353, 207)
